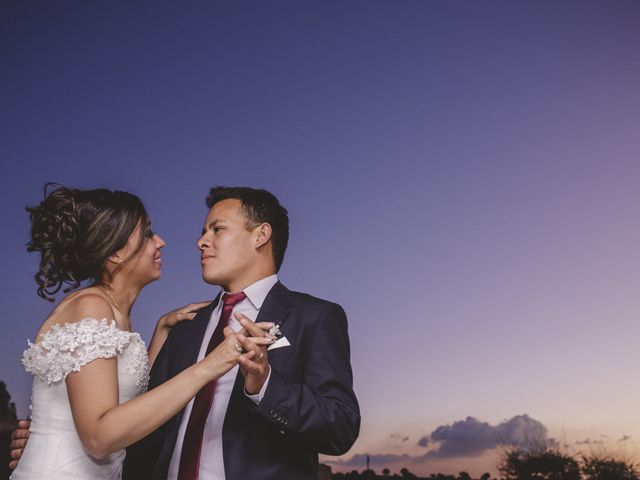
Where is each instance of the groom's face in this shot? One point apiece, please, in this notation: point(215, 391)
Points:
point(226, 246)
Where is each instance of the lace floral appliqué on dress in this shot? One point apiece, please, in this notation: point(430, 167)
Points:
point(66, 348)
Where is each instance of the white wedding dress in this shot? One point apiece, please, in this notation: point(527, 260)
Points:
point(54, 450)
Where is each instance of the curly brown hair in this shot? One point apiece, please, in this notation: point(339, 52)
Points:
point(76, 231)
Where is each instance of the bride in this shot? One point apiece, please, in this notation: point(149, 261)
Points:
point(90, 371)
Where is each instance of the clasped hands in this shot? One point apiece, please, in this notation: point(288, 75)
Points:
point(253, 339)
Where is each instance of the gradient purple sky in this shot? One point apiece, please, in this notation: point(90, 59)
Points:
point(461, 176)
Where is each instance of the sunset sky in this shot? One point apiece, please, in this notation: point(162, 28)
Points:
point(463, 177)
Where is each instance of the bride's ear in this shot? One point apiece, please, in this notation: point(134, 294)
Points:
point(115, 259)
point(263, 235)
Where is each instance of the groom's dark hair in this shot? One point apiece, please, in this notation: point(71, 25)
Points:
point(259, 206)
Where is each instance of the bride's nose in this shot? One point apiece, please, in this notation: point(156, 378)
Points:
point(159, 241)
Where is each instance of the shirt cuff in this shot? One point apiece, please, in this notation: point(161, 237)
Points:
point(257, 398)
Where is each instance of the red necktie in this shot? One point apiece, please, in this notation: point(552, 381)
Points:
point(192, 445)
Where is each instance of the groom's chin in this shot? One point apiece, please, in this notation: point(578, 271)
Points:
point(209, 279)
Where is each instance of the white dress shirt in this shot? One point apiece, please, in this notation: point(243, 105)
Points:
point(211, 461)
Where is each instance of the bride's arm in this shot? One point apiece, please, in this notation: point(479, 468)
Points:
point(104, 426)
point(168, 321)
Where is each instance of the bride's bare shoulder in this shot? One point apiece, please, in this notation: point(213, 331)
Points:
point(90, 303)
point(87, 303)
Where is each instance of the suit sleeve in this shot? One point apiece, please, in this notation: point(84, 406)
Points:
point(322, 410)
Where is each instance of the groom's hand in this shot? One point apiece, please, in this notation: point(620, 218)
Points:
point(254, 368)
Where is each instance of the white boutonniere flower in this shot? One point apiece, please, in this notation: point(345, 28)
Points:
point(275, 331)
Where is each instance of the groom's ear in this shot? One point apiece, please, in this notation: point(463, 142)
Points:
point(263, 235)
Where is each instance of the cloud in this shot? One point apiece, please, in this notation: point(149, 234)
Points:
point(471, 437)
point(360, 460)
point(424, 441)
point(523, 431)
point(463, 438)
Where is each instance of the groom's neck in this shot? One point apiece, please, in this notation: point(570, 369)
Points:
point(237, 285)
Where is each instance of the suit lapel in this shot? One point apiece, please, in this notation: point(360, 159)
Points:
point(188, 346)
point(276, 305)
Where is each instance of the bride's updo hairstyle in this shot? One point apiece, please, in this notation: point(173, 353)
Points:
point(76, 231)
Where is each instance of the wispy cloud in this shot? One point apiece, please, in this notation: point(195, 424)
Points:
point(360, 460)
point(398, 437)
point(590, 441)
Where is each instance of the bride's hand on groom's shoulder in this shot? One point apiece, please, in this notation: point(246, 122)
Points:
point(167, 322)
point(187, 312)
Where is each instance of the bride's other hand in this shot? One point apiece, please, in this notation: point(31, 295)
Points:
point(188, 312)
point(18, 441)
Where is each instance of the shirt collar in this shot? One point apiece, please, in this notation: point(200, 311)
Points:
point(258, 291)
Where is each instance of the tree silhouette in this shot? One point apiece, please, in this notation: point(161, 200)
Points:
point(368, 475)
point(407, 474)
point(544, 464)
point(608, 468)
point(517, 464)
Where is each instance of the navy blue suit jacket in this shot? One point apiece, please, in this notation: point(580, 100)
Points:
point(309, 406)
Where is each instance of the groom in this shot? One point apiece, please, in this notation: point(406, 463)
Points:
point(269, 417)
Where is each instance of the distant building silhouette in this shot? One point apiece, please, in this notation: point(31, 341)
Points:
point(8, 422)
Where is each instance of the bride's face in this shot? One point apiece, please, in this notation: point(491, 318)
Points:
point(144, 266)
